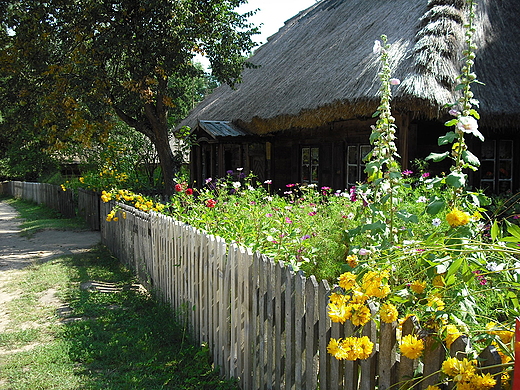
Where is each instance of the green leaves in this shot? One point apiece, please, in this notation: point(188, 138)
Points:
point(436, 157)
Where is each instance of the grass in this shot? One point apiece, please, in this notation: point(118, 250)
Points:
point(37, 217)
point(88, 339)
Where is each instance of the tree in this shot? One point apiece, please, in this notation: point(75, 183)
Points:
point(90, 59)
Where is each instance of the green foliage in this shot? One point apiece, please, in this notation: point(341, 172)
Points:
point(71, 67)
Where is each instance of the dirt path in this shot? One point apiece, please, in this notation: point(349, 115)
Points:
point(17, 252)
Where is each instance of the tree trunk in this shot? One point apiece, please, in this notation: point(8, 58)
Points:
point(169, 165)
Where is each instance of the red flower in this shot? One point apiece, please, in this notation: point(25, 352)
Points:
point(211, 203)
point(189, 191)
point(178, 187)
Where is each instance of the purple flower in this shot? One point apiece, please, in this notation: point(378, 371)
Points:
point(269, 215)
point(353, 193)
point(312, 213)
point(306, 237)
point(363, 252)
point(288, 220)
point(425, 175)
point(454, 112)
point(407, 172)
point(230, 172)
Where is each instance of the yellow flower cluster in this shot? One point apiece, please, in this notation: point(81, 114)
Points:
point(457, 217)
point(351, 348)
point(464, 374)
point(137, 201)
point(112, 216)
point(411, 346)
point(106, 196)
point(352, 306)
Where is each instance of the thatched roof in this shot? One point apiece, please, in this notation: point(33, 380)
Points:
point(320, 67)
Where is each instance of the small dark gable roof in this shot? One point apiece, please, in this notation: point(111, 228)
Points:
point(221, 129)
point(320, 67)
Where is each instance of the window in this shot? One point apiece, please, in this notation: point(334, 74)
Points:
point(355, 163)
point(310, 165)
point(497, 166)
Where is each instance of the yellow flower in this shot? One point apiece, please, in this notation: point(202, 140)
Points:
point(360, 314)
point(483, 382)
point(352, 260)
point(82, 180)
point(457, 217)
point(365, 347)
point(373, 284)
point(351, 348)
point(418, 287)
point(338, 313)
point(460, 370)
point(452, 334)
point(338, 299)
point(388, 313)
point(347, 280)
point(435, 301)
point(411, 347)
point(505, 335)
point(433, 388)
point(334, 347)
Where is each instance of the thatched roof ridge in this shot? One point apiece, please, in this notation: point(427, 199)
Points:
point(319, 67)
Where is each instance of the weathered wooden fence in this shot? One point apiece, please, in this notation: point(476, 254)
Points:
point(264, 323)
point(50, 195)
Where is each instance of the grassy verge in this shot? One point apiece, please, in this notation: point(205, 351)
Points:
point(37, 217)
point(64, 333)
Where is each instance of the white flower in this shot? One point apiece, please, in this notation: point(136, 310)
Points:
point(363, 252)
point(422, 199)
point(517, 267)
point(240, 169)
point(394, 81)
point(467, 124)
point(236, 184)
point(377, 47)
point(436, 221)
point(494, 267)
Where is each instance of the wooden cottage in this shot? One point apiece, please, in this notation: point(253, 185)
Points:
point(304, 114)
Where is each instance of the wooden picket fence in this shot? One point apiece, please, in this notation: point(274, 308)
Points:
point(264, 323)
point(49, 195)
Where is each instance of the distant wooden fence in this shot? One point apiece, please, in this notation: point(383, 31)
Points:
point(263, 323)
point(50, 195)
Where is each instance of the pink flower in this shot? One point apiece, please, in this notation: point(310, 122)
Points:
point(188, 191)
point(425, 175)
point(178, 187)
point(288, 220)
point(312, 213)
point(407, 172)
point(394, 81)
